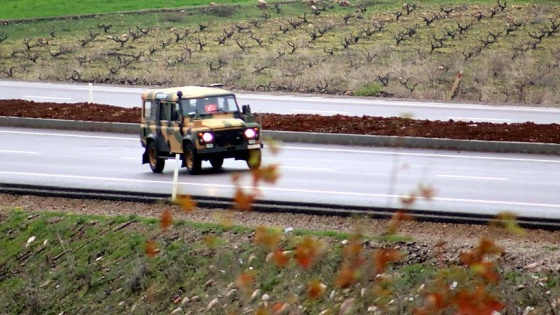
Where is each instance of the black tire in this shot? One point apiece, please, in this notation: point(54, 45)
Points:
point(192, 161)
point(217, 162)
point(156, 163)
point(254, 159)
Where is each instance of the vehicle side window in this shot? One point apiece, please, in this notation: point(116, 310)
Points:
point(165, 111)
point(175, 112)
point(148, 114)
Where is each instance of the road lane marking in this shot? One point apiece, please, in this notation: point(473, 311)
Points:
point(308, 168)
point(422, 154)
point(46, 97)
point(359, 102)
point(320, 112)
point(18, 152)
point(67, 135)
point(276, 189)
point(472, 177)
point(479, 119)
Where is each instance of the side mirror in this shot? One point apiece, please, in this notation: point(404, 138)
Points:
point(246, 109)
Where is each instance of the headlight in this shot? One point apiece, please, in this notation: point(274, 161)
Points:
point(205, 137)
point(252, 133)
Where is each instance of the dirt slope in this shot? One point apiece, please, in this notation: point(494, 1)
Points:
point(367, 125)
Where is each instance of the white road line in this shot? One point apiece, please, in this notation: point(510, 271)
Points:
point(308, 168)
point(18, 152)
point(47, 97)
point(472, 177)
point(399, 153)
point(478, 119)
point(320, 111)
point(306, 191)
point(67, 135)
point(398, 103)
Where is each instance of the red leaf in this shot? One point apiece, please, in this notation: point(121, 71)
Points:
point(166, 219)
point(150, 248)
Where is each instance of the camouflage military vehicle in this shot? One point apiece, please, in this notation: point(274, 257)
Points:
point(200, 124)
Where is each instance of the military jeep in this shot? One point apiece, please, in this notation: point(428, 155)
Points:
point(200, 124)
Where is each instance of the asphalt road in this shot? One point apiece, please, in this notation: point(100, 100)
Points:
point(467, 182)
point(130, 97)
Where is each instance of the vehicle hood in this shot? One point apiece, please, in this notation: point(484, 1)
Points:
point(222, 123)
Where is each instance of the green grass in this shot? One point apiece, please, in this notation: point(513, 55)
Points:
point(25, 9)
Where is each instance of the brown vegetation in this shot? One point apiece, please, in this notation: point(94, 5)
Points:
point(366, 125)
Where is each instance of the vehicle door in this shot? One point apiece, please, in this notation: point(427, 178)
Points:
point(174, 128)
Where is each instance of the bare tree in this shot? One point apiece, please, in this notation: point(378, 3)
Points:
point(384, 79)
point(293, 47)
point(479, 16)
point(502, 6)
point(257, 39)
point(165, 43)
point(105, 27)
point(9, 72)
point(409, 8)
point(463, 28)
point(537, 35)
point(200, 42)
point(242, 43)
point(62, 50)
point(202, 27)
point(430, 20)
point(491, 38)
point(408, 85)
point(445, 10)
point(241, 28)
point(214, 67)
point(28, 44)
point(91, 36)
point(121, 40)
point(152, 49)
point(513, 26)
point(284, 29)
point(295, 24)
point(15, 52)
point(144, 31)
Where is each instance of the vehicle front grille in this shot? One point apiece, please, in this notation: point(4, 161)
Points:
point(227, 138)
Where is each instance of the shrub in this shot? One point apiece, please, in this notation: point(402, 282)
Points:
point(371, 89)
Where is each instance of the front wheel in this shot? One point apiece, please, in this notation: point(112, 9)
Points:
point(156, 163)
point(192, 161)
point(254, 159)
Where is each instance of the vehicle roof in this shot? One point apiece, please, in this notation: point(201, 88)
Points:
point(188, 92)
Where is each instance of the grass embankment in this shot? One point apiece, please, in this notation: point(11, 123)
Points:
point(26, 9)
point(58, 262)
point(507, 50)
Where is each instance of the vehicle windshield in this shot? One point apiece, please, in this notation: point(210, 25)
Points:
point(208, 106)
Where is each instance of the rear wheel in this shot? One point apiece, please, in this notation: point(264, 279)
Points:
point(156, 163)
point(192, 161)
point(217, 162)
point(254, 159)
